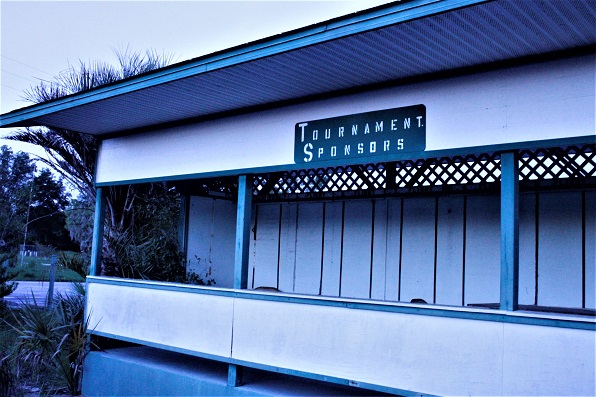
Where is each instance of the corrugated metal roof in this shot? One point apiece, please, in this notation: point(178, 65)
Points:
point(386, 44)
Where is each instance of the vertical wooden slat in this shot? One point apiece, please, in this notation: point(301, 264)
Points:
point(332, 249)
point(450, 219)
point(393, 243)
point(309, 248)
point(418, 249)
point(560, 249)
point(222, 243)
point(379, 251)
point(265, 263)
point(590, 250)
point(482, 256)
point(463, 261)
point(199, 245)
point(254, 227)
point(287, 247)
point(355, 277)
point(527, 248)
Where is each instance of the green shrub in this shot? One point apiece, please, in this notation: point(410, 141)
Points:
point(51, 343)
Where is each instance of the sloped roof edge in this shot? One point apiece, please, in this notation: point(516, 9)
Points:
point(363, 21)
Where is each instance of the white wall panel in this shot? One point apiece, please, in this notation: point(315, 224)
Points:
point(253, 248)
point(393, 248)
point(287, 244)
point(169, 318)
point(427, 354)
point(560, 249)
point(200, 224)
point(590, 249)
point(379, 260)
point(422, 353)
point(483, 250)
point(356, 256)
point(518, 104)
point(211, 237)
point(450, 250)
point(309, 248)
point(418, 249)
point(527, 248)
point(332, 248)
point(266, 246)
point(546, 361)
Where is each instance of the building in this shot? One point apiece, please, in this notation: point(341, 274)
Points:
point(414, 185)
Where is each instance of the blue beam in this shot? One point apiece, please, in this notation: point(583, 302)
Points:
point(98, 225)
point(234, 375)
point(243, 217)
point(509, 231)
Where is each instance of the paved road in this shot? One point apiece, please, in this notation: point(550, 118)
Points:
point(26, 290)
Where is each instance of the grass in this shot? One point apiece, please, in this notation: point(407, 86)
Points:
point(38, 269)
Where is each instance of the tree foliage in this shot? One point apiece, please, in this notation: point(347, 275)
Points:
point(16, 177)
point(30, 202)
point(137, 242)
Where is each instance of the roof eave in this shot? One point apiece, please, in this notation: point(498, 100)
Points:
point(337, 28)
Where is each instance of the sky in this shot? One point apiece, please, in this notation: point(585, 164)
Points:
point(39, 39)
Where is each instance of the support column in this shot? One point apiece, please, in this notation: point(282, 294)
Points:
point(243, 218)
point(509, 231)
point(98, 225)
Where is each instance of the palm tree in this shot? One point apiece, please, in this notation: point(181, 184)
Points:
point(73, 154)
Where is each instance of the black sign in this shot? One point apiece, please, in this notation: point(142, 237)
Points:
point(379, 133)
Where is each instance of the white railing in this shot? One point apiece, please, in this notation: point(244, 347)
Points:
point(426, 349)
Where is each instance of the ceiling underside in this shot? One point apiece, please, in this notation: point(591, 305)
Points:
point(475, 35)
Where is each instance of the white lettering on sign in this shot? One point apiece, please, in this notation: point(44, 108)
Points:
point(307, 151)
point(302, 126)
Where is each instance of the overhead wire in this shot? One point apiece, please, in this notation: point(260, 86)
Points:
point(25, 64)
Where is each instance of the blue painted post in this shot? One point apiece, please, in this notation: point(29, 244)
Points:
point(98, 224)
point(234, 375)
point(509, 231)
point(243, 217)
